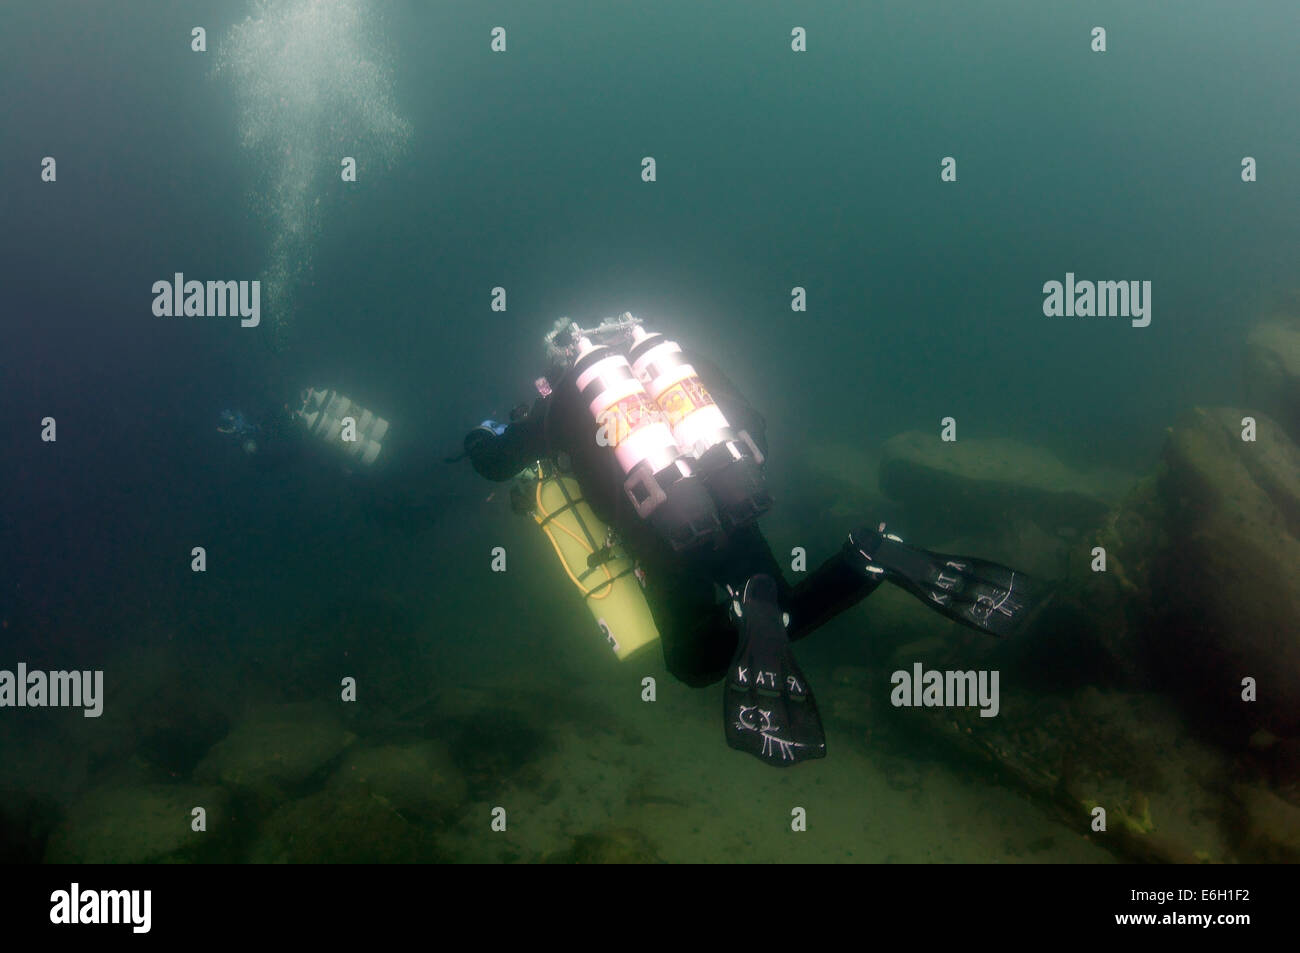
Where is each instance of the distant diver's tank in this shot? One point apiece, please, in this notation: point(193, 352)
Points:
point(659, 480)
point(327, 415)
point(595, 563)
point(729, 463)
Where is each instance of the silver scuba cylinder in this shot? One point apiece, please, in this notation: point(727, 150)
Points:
point(729, 463)
point(659, 480)
point(339, 422)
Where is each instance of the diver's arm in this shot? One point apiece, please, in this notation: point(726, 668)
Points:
point(498, 453)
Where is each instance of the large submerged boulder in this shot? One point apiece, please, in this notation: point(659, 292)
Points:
point(418, 780)
point(1228, 583)
point(1101, 622)
point(275, 748)
point(1201, 587)
point(981, 484)
point(1268, 827)
point(1273, 371)
point(343, 825)
point(139, 825)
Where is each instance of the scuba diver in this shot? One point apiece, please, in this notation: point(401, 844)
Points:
point(323, 418)
point(234, 424)
point(645, 469)
point(323, 430)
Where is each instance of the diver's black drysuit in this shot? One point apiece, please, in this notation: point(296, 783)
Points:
point(698, 636)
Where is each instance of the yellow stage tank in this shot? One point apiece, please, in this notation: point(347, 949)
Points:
point(593, 560)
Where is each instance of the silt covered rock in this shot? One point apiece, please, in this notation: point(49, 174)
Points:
point(275, 748)
point(342, 825)
point(1228, 584)
point(139, 825)
point(1273, 371)
point(418, 779)
point(978, 484)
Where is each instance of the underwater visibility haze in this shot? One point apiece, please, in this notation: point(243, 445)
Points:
point(585, 433)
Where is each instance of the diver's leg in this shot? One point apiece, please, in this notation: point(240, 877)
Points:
point(768, 706)
point(744, 553)
point(698, 635)
point(695, 631)
point(836, 585)
point(977, 593)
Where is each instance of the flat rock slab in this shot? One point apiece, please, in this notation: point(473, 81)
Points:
point(981, 483)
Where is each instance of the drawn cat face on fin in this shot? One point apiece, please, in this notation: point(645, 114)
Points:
point(753, 718)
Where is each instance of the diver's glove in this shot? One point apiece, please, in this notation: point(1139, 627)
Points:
point(975, 592)
point(768, 707)
point(473, 443)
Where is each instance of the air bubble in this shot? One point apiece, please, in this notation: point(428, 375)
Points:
point(311, 85)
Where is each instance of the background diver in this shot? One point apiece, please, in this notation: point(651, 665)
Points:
point(320, 418)
point(326, 431)
point(657, 461)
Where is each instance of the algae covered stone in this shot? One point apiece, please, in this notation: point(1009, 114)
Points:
point(1273, 371)
point(1228, 584)
point(275, 748)
point(342, 825)
point(1268, 826)
point(139, 825)
point(417, 779)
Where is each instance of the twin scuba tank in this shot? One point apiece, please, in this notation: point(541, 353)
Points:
point(338, 421)
point(686, 471)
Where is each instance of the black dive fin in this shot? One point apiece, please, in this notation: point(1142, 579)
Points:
point(975, 592)
point(768, 707)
